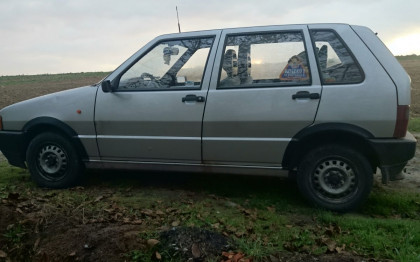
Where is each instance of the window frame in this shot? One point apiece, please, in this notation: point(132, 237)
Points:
point(116, 80)
point(356, 62)
point(264, 85)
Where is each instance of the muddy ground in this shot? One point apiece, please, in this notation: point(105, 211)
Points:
point(51, 232)
point(46, 225)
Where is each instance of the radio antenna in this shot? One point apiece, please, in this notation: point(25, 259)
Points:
point(177, 17)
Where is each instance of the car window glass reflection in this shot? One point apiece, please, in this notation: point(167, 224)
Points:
point(264, 59)
point(169, 65)
point(334, 59)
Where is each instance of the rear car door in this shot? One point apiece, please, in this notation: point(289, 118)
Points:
point(265, 88)
point(155, 113)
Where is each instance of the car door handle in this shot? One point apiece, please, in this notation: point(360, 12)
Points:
point(193, 98)
point(305, 94)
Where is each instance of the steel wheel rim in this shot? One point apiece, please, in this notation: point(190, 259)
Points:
point(52, 161)
point(334, 180)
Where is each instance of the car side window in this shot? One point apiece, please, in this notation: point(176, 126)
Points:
point(176, 64)
point(335, 61)
point(263, 60)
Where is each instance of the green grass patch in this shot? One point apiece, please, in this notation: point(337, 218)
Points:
point(381, 238)
point(12, 175)
point(15, 234)
point(11, 178)
point(414, 124)
point(392, 204)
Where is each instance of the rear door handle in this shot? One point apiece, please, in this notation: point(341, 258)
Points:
point(305, 94)
point(193, 98)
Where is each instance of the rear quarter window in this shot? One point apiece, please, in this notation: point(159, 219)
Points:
point(336, 63)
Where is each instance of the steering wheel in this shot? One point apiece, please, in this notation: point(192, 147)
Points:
point(145, 75)
point(152, 83)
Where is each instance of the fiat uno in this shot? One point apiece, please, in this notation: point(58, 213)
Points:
point(328, 103)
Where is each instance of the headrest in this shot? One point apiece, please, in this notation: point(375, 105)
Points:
point(322, 57)
point(230, 63)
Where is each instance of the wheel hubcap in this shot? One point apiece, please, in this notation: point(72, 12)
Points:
point(334, 179)
point(52, 162)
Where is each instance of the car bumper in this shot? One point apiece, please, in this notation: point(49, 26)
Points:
point(12, 145)
point(393, 154)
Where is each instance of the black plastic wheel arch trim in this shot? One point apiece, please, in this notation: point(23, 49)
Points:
point(59, 125)
point(292, 150)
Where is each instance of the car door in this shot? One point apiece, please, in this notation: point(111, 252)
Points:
point(155, 111)
point(264, 90)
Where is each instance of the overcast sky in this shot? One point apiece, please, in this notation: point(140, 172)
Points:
point(57, 36)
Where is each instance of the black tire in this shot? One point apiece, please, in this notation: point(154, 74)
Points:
point(335, 177)
point(53, 161)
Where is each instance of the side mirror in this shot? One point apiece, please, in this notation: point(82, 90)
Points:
point(107, 86)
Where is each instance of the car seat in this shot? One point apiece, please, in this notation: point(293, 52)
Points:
point(230, 65)
point(322, 57)
point(244, 65)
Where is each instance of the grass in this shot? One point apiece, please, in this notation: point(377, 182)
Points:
point(380, 237)
point(414, 124)
point(262, 215)
point(15, 234)
point(261, 224)
point(399, 204)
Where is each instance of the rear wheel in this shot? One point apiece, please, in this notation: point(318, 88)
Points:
point(335, 177)
point(53, 162)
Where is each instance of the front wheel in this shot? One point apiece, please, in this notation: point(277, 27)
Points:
point(53, 162)
point(335, 177)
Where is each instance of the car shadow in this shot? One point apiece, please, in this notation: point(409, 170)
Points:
point(271, 188)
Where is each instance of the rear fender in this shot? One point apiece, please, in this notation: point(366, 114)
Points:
point(328, 133)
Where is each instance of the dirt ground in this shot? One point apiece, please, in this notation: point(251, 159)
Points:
point(14, 89)
point(48, 234)
point(58, 237)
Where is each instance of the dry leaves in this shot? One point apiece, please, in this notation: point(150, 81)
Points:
point(152, 242)
point(158, 256)
point(195, 250)
point(234, 257)
point(309, 240)
point(3, 254)
point(331, 245)
point(36, 244)
point(332, 230)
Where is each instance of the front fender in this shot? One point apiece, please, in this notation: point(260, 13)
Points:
point(42, 124)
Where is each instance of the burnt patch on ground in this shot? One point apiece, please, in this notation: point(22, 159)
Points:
point(194, 244)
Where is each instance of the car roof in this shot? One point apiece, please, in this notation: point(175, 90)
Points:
point(252, 27)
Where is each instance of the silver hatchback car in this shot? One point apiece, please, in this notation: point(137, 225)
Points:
point(326, 102)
